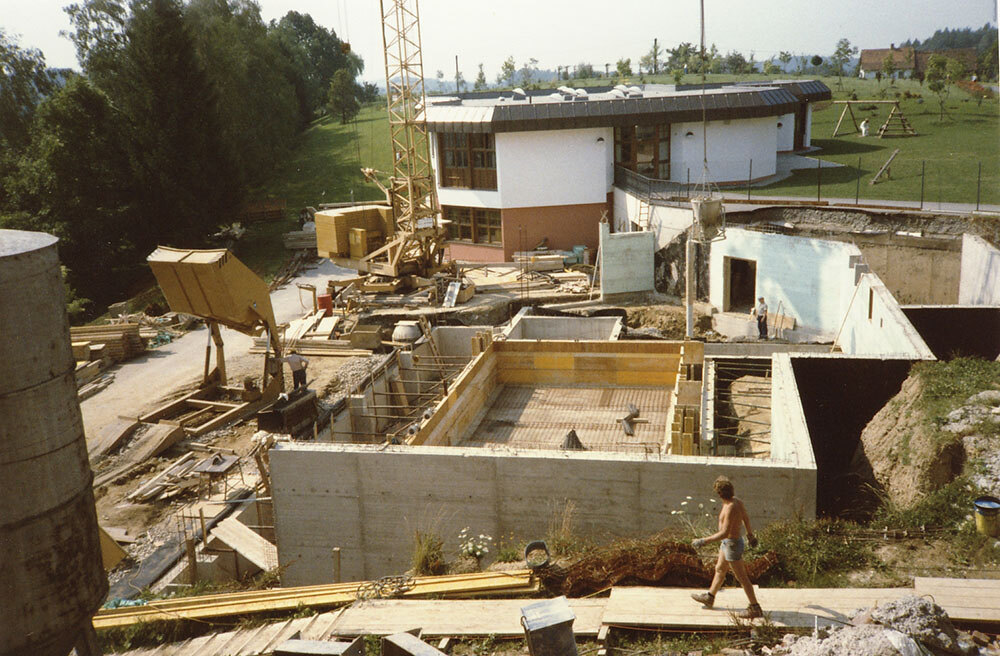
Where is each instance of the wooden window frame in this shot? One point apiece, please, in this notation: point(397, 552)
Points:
point(483, 225)
point(476, 154)
point(627, 142)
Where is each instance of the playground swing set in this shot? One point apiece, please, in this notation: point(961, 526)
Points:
point(895, 124)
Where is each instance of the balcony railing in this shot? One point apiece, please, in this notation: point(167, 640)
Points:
point(649, 188)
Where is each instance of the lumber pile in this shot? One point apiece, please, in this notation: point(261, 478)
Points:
point(299, 239)
point(170, 482)
point(313, 335)
point(120, 342)
point(482, 584)
point(262, 210)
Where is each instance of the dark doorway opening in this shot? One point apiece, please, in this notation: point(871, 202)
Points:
point(800, 127)
point(741, 284)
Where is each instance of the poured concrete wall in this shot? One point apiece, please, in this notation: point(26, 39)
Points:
point(526, 326)
point(979, 281)
point(875, 325)
point(665, 222)
point(915, 269)
point(789, 430)
point(804, 276)
point(369, 500)
point(626, 262)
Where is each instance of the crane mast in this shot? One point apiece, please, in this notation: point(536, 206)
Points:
point(419, 240)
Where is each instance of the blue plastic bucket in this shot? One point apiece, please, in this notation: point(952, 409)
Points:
point(988, 516)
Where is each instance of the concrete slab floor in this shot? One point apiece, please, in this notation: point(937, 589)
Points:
point(533, 417)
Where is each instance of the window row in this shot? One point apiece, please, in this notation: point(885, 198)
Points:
point(468, 161)
point(473, 224)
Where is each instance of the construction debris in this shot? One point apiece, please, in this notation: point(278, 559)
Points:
point(640, 562)
point(908, 626)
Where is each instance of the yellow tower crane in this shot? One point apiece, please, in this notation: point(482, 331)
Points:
point(417, 246)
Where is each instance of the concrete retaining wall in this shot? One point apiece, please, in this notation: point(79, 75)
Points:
point(369, 500)
point(979, 280)
point(626, 262)
point(804, 276)
point(789, 431)
point(526, 326)
point(875, 325)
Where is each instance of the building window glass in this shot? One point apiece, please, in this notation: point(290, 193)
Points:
point(644, 149)
point(468, 161)
point(476, 225)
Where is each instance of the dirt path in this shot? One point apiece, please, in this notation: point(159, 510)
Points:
point(143, 383)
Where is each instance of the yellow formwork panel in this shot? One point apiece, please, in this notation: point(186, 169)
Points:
point(333, 227)
point(213, 284)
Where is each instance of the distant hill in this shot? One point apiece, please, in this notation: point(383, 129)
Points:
point(982, 39)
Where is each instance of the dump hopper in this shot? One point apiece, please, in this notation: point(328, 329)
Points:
point(214, 285)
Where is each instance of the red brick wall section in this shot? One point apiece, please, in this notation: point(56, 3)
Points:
point(459, 250)
point(565, 226)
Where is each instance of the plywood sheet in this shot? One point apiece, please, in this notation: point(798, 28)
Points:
point(500, 617)
point(788, 607)
point(245, 542)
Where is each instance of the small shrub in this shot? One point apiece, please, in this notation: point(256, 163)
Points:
point(560, 538)
point(428, 554)
point(473, 545)
point(945, 507)
point(509, 550)
point(813, 554)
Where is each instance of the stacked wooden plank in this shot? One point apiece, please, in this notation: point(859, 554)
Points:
point(518, 582)
point(311, 335)
point(263, 210)
point(299, 239)
point(121, 341)
point(171, 481)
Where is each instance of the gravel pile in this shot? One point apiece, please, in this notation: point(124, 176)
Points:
point(888, 630)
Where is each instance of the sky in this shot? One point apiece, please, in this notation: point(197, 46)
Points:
point(568, 32)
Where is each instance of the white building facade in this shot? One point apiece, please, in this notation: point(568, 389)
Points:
point(523, 169)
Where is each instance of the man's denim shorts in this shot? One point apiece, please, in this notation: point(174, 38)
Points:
point(733, 549)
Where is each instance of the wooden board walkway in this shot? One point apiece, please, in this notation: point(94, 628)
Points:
point(788, 607)
point(973, 600)
point(500, 617)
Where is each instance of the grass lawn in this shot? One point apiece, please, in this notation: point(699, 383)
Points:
point(325, 168)
point(951, 150)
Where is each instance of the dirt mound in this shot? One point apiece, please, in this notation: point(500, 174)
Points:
point(646, 562)
point(900, 455)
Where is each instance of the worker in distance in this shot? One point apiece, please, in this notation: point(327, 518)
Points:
point(732, 518)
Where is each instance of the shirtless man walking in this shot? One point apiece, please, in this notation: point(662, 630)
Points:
point(732, 517)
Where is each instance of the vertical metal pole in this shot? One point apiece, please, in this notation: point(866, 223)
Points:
point(979, 184)
point(689, 287)
point(819, 178)
point(749, 178)
point(857, 188)
point(922, 165)
point(687, 187)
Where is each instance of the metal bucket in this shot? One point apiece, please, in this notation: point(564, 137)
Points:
point(988, 516)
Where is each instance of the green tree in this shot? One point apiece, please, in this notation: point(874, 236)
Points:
point(889, 67)
point(651, 60)
point(583, 71)
point(24, 81)
point(937, 79)
point(480, 83)
point(316, 53)
point(785, 58)
point(735, 63)
point(342, 99)
point(257, 101)
point(841, 55)
point(76, 181)
point(368, 92)
point(528, 71)
point(624, 67)
point(770, 68)
point(816, 60)
point(677, 74)
point(680, 56)
point(508, 70)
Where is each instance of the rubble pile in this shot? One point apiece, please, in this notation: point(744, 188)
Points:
point(911, 626)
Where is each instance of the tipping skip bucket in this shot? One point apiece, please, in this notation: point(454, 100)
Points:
point(988, 516)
